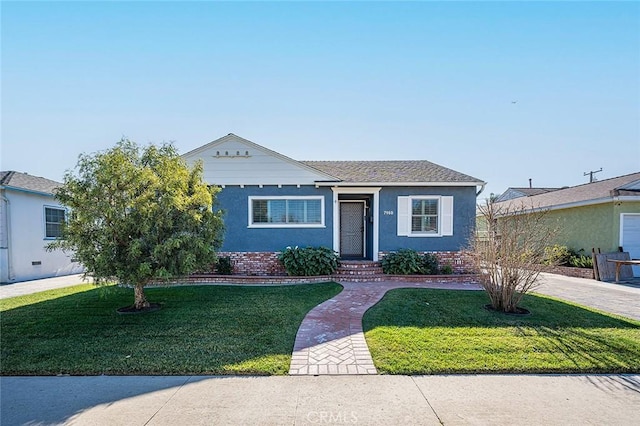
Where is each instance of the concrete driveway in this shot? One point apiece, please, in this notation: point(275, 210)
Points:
point(619, 299)
point(34, 286)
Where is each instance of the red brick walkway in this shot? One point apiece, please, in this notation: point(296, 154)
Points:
point(330, 339)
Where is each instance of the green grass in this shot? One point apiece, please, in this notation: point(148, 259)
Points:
point(199, 330)
point(422, 331)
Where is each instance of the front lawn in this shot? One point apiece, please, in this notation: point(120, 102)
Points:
point(199, 330)
point(422, 331)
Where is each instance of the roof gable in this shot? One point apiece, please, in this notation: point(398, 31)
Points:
point(232, 160)
point(512, 193)
point(631, 186)
point(27, 182)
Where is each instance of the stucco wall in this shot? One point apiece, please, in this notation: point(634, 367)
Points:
point(585, 227)
point(464, 208)
point(239, 238)
point(26, 240)
point(594, 226)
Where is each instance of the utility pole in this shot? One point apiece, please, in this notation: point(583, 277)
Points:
point(591, 173)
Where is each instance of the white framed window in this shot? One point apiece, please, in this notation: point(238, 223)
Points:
point(53, 219)
point(425, 216)
point(286, 211)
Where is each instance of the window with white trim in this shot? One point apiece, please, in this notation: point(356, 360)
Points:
point(286, 211)
point(425, 216)
point(53, 220)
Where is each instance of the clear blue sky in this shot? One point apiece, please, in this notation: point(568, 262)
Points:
point(329, 81)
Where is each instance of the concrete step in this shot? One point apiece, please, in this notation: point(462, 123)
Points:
point(368, 271)
point(359, 264)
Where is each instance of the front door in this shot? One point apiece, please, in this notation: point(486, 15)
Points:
point(352, 236)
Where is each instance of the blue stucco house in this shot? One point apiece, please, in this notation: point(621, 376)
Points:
point(361, 209)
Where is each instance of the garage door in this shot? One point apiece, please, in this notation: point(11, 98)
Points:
point(630, 237)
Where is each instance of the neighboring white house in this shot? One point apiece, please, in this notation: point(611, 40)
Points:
point(30, 218)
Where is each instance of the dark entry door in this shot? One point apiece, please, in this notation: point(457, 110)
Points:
point(352, 238)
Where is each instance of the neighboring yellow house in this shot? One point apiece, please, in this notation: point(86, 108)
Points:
point(602, 215)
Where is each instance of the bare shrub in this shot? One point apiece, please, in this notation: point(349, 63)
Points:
point(509, 254)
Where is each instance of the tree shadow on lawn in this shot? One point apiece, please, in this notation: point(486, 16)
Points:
point(200, 330)
point(556, 336)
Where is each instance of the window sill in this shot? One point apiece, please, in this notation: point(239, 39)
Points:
point(287, 225)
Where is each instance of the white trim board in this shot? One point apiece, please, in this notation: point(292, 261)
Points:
point(376, 215)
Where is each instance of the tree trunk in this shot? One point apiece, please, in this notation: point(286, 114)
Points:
point(140, 299)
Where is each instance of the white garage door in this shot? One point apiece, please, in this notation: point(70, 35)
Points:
point(630, 237)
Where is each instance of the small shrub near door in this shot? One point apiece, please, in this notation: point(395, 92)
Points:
point(429, 264)
point(446, 270)
point(224, 266)
point(410, 262)
point(309, 261)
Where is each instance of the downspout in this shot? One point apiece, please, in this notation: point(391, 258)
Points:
point(481, 189)
point(7, 225)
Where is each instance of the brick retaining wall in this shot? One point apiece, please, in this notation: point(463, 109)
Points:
point(569, 271)
point(267, 263)
point(255, 263)
point(460, 261)
point(264, 279)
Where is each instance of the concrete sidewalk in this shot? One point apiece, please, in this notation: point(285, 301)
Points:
point(34, 286)
point(308, 400)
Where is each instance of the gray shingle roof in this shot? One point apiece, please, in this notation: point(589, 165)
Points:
point(512, 192)
point(600, 190)
point(409, 171)
point(28, 182)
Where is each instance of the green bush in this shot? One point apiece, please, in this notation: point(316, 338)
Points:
point(556, 255)
point(409, 262)
point(224, 266)
point(581, 261)
point(564, 256)
point(446, 270)
point(309, 261)
point(429, 264)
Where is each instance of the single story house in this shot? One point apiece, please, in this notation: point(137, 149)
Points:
point(30, 218)
point(602, 215)
point(360, 209)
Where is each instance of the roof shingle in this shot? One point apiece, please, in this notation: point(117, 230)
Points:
point(28, 182)
point(600, 190)
point(409, 171)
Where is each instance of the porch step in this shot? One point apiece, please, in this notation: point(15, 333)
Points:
point(352, 268)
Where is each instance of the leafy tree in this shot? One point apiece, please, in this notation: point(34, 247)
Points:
point(510, 253)
point(139, 215)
